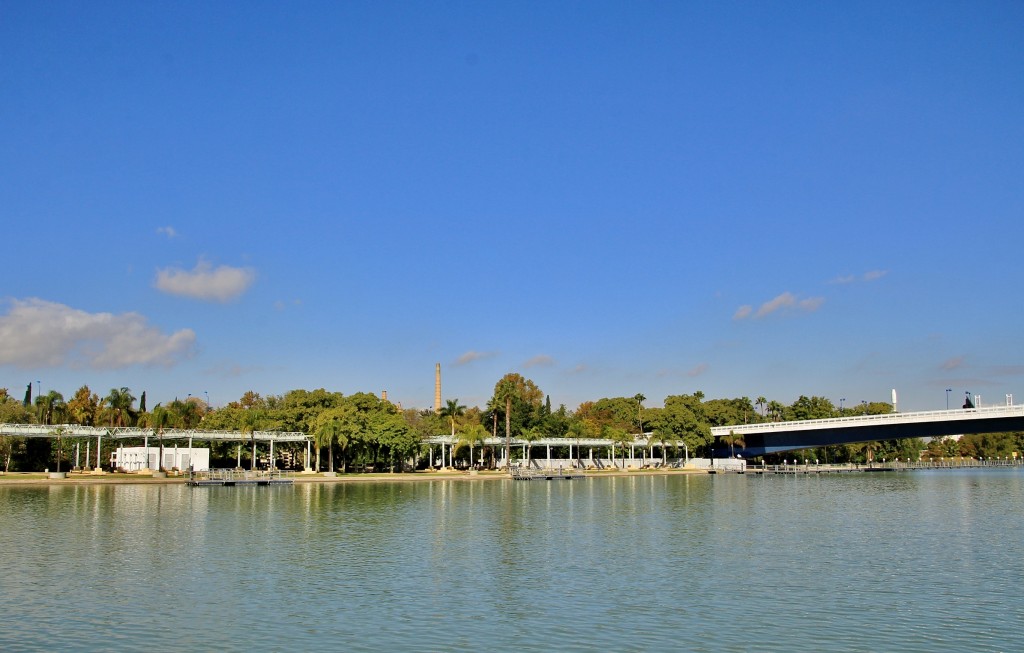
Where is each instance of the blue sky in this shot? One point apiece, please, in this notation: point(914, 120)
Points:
point(742, 198)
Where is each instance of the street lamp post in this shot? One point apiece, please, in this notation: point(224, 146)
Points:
point(948, 390)
point(841, 401)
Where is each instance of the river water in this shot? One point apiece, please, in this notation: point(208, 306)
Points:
point(912, 561)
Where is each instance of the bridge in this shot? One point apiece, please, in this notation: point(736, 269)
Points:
point(777, 437)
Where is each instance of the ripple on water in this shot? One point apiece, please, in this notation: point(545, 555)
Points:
point(730, 563)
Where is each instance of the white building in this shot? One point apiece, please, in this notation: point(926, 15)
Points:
point(133, 459)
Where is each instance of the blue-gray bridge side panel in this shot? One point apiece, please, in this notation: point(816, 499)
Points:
point(759, 445)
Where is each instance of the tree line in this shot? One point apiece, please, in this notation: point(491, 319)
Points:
point(364, 432)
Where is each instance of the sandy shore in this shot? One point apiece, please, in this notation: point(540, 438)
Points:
point(40, 478)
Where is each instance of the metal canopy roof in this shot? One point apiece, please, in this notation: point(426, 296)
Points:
point(123, 432)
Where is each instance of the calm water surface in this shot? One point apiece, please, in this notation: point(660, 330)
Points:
point(920, 561)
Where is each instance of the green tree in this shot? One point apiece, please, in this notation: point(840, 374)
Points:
point(451, 411)
point(11, 412)
point(389, 432)
point(512, 390)
point(683, 420)
point(84, 407)
point(473, 435)
point(160, 420)
point(50, 408)
point(58, 444)
point(621, 437)
point(530, 435)
point(805, 408)
point(252, 420)
point(120, 401)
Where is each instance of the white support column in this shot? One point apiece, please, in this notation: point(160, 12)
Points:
point(87, 443)
point(99, 440)
point(549, 455)
point(270, 463)
point(77, 451)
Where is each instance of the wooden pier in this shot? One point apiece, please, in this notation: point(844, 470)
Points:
point(233, 477)
point(523, 474)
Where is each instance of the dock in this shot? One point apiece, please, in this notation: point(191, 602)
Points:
point(233, 477)
point(524, 474)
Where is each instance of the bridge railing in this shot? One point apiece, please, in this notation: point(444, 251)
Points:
point(951, 415)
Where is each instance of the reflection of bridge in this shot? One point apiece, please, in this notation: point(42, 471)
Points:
point(776, 437)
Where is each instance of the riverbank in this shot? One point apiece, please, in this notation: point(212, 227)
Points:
point(74, 478)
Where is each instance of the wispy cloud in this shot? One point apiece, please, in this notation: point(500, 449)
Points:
point(229, 369)
point(38, 333)
point(580, 369)
point(787, 301)
point(871, 275)
point(541, 360)
point(697, 370)
point(472, 356)
point(205, 282)
point(168, 231)
point(954, 363)
point(1008, 370)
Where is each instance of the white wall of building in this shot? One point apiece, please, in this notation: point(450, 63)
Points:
point(133, 459)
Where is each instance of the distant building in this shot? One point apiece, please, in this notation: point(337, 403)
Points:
point(133, 459)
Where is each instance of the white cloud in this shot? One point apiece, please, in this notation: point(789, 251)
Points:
point(471, 356)
point(784, 302)
point(38, 333)
point(167, 231)
point(541, 360)
point(873, 275)
point(205, 282)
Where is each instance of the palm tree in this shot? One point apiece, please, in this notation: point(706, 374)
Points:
point(120, 402)
point(530, 435)
point(640, 399)
point(335, 425)
point(513, 387)
point(251, 420)
point(160, 419)
point(452, 410)
point(666, 438)
point(50, 407)
point(621, 437)
point(472, 436)
point(761, 401)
